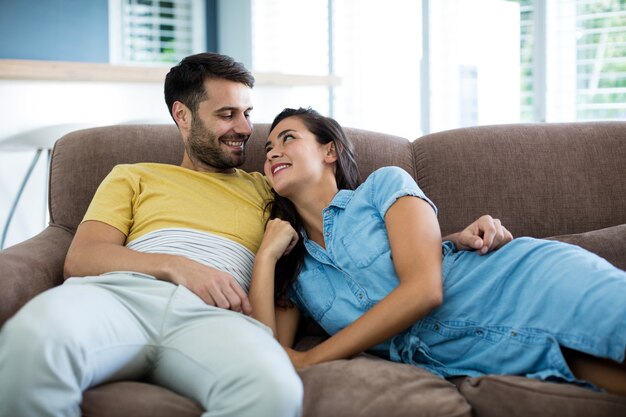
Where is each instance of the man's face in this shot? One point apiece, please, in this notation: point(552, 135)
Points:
point(221, 127)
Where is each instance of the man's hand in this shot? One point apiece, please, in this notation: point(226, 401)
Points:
point(484, 235)
point(215, 287)
point(98, 248)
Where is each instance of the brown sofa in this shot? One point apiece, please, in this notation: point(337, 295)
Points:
point(566, 181)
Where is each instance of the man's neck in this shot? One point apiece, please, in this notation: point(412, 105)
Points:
point(198, 166)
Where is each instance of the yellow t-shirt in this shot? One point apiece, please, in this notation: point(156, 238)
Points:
point(142, 198)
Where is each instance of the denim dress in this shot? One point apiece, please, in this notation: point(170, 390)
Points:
point(507, 312)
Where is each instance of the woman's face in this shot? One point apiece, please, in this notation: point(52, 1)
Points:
point(294, 157)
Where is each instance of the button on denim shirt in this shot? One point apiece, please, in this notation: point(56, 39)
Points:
point(337, 285)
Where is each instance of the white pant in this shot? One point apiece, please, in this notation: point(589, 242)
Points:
point(122, 326)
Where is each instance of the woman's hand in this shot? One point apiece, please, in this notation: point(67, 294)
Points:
point(298, 359)
point(279, 239)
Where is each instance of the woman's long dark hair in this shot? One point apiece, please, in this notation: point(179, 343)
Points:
point(326, 130)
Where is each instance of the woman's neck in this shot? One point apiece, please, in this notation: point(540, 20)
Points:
point(310, 204)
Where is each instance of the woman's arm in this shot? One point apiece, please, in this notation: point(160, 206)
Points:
point(287, 320)
point(415, 242)
point(278, 240)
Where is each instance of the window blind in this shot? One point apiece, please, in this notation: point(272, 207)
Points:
point(156, 31)
point(585, 59)
point(601, 60)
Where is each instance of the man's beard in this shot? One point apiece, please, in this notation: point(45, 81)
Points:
point(204, 146)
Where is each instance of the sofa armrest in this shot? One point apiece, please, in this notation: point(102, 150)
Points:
point(31, 267)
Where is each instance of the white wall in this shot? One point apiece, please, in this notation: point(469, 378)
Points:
point(26, 105)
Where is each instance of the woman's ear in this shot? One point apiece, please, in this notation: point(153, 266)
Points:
point(330, 155)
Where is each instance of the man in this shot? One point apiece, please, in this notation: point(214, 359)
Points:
point(187, 236)
point(164, 222)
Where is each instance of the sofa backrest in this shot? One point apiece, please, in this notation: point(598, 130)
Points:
point(540, 179)
point(81, 159)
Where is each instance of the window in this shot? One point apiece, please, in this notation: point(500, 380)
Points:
point(295, 50)
point(411, 67)
point(474, 61)
point(600, 60)
point(154, 31)
point(340, 51)
point(377, 53)
point(581, 49)
point(527, 48)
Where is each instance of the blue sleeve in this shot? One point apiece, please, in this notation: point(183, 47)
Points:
point(389, 184)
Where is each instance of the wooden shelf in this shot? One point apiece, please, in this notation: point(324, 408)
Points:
point(14, 69)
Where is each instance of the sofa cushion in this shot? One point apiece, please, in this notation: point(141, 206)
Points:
point(136, 399)
point(542, 179)
point(367, 386)
point(609, 243)
point(513, 396)
point(364, 386)
point(80, 161)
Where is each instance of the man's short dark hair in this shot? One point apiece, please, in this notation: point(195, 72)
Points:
point(185, 81)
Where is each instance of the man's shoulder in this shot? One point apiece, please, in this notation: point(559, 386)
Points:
point(258, 180)
point(254, 177)
point(251, 175)
point(144, 169)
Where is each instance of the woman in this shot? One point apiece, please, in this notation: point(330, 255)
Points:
point(371, 269)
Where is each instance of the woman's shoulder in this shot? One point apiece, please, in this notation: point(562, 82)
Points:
point(388, 175)
point(385, 185)
point(390, 171)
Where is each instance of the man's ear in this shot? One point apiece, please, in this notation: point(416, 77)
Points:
point(182, 115)
point(331, 152)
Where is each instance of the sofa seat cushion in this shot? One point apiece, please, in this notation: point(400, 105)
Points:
point(515, 396)
point(367, 386)
point(609, 243)
point(364, 386)
point(136, 399)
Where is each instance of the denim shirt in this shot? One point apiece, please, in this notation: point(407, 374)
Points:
point(355, 271)
point(506, 312)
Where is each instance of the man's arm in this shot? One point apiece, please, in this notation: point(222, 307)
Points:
point(484, 235)
point(98, 248)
